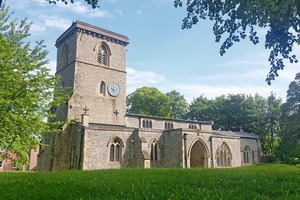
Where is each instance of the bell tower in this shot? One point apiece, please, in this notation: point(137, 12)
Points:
point(92, 61)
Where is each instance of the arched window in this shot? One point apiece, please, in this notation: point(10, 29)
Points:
point(154, 150)
point(247, 154)
point(103, 54)
point(223, 156)
point(192, 126)
point(169, 125)
point(147, 124)
point(65, 55)
point(115, 150)
point(102, 88)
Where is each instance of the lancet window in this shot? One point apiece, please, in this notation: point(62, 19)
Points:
point(102, 88)
point(247, 154)
point(169, 125)
point(192, 126)
point(154, 150)
point(147, 124)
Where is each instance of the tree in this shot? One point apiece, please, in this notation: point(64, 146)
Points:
point(178, 104)
point(202, 109)
point(272, 120)
point(289, 144)
point(93, 3)
point(26, 89)
point(240, 19)
point(234, 112)
point(149, 101)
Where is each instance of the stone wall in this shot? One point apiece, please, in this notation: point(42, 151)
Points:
point(255, 150)
point(136, 121)
point(172, 148)
point(234, 146)
point(97, 152)
point(191, 137)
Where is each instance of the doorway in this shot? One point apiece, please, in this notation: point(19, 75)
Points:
point(198, 155)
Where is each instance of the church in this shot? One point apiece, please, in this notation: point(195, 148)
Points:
point(92, 61)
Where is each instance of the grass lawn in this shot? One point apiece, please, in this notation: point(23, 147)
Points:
point(251, 182)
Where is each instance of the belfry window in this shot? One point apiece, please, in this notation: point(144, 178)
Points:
point(115, 150)
point(103, 55)
point(154, 150)
point(223, 156)
point(102, 88)
point(65, 55)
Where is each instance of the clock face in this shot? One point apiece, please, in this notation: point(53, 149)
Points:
point(113, 89)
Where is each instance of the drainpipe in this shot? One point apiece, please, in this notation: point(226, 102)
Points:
point(211, 152)
point(80, 162)
point(185, 153)
point(258, 157)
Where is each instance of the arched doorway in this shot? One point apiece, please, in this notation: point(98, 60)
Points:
point(198, 155)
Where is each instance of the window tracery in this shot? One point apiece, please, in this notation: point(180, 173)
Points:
point(223, 156)
point(103, 54)
point(115, 149)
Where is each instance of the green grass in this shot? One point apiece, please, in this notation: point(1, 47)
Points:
point(252, 182)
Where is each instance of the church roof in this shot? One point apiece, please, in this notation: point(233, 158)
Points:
point(240, 134)
point(79, 26)
point(169, 119)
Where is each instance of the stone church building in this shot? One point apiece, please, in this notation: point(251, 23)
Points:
point(92, 61)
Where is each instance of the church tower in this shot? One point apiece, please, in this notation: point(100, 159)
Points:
point(92, 62)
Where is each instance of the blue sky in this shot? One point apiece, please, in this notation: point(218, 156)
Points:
point(161, 54)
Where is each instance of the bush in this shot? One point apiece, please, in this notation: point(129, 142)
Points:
point(268, 159)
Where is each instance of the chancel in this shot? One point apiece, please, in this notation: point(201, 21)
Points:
point(92, 62)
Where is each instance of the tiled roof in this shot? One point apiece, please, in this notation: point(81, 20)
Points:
point(240, 134)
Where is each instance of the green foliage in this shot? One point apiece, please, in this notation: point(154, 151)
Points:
point(149, 101)
point(26, 89)
point(251, 182)
point(256, 115)
point(178, 104)
point(289, 146)
point(268, 159)
point(93, 3)
point(239, 19)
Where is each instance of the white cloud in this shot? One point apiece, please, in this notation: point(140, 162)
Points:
point(52, 66)
point(143, 77)
point(37, 28)
point(119, 11)
point(78, 8)
point(97, 13)
point(41, 2)
point(55, 21)
point(138, 12)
